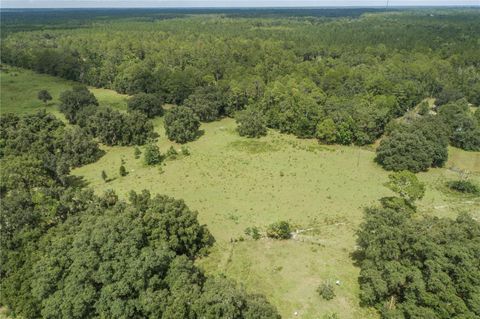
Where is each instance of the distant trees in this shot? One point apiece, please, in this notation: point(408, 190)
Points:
point(44, 96)
point(181, 124)
point(72, 101)
point(148, 104)
point(251, 123)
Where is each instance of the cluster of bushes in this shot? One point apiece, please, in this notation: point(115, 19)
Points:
point(417, 267)
point(111, 127)
point(464, 186)
point(37, 148)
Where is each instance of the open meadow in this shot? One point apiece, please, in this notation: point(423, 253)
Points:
point(235, 183)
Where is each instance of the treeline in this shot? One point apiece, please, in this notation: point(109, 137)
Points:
point(67, 253)
point(418, 267)
point(341, 81)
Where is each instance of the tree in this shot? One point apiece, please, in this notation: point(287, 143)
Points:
point(326, 131)
point(123, 171)
point(152, 154)
point(251, 123)
point(72, 101)
point(279, 230)
point(404, 150)
point(206, 102)
point(181, 124)
point(407, 185)
point(44, 96)
point(326, 291)
point(137, 152)
point(148, 104)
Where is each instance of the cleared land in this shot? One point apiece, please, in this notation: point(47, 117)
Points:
point(236, 183)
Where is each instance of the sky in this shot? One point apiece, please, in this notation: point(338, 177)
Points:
point(227, 3)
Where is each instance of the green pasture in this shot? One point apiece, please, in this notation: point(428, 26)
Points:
point(235, 183)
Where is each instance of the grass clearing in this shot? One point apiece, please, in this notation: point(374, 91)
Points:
point(19, 89)
point(235, 183)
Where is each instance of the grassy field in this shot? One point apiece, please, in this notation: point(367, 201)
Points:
point(19, 89)
point(235, 183)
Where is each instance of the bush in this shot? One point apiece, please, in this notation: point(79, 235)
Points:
point(123, 171)
point(326, 291)
point(44, 96)
point(251, 123)
point(253, 232)
point(148, 104)
point(279, 230)
point(137, 152)
point(152, 155)
point(171, 153)
point(181, 124)
point(74, 100)
point(185, 150)
point(464, 186)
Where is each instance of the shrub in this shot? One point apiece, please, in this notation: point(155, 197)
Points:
point(148, 104)
point(104, 176)
point(253, 232)
point(123, 171)
point(181, 124)
point(137, 152)
point(464, 186)
point(171, 153)
point(152, 155)
point(251, 123)
point(185, 150)
point(279, 230)
point(326, 291)
point(44, 96)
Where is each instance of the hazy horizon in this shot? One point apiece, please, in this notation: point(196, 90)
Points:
point(32, 4)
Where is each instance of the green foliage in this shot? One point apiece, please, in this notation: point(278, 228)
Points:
point(253, 232)
point(326, 131)
point(151, 154)
point(123, 171)
point(72, 101)
point(279, 230)
point(185, 150)
point(326, 291)
point(464, 186)
point(464, 130)
point(104, 176)
point(404, 151)
point(171, 153)
point(206, 102)
point(251, 123)
point(410, 268)
point(148, 104)
point(407, 185)
point(114, 128)
point(137, 152)
point(181, 124)
point(44, 96)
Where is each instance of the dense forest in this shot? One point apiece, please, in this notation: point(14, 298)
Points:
point(405, 81)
